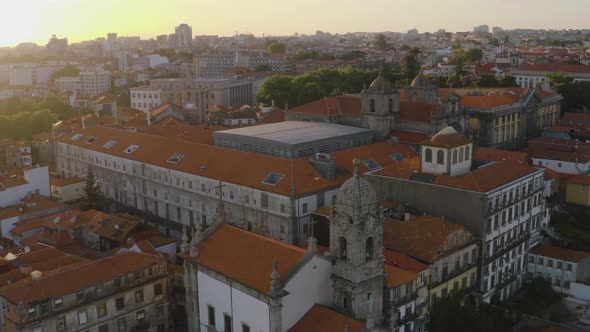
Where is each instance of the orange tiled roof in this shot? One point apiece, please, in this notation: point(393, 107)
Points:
point(220, 162)
point(407, 136)
point(482, 179)
point(224, 252)
point(403, 261)
point(274, 117)
point(57, 181)
point(558, 67)
point(333, 105)
point(571, 156)
point(417, 112)
point(489, 101)
point(560, 253)
point(81, 277)
point(423, 237)
point(38, 203)
point(323, 319)
point(397, 277)
point(162, 108)
point(575, 117)
point(583, 179)
point(27, 225)
point(490, 154)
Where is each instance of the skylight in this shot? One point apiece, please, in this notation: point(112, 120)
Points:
point(372, 164)
point(175, 158)
point(131, 149)
point(109, 144)
point(273, 178)
point(397, 157)
point(76, 137)
point(90, 140)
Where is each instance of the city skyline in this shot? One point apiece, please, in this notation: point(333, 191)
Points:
point(86, 19)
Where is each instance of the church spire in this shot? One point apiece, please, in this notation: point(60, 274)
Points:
point(275, 279)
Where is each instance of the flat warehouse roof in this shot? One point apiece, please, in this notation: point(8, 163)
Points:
point(294, 132)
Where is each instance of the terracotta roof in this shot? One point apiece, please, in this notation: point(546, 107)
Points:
point(575, 117)
point(557, 67)
point(397, 277)
point(220, 162)
point(583, 179)
point(571, 156)
point(424, 237)
point(162, 108)
point(323, 319)
point(333, 105)
point(27, 225)
point(116, 228)
point(8, 182)
point(490, 154)
point(417, 112)
point(70, 281)
point(407, 136)
point(489, 101)
point(57, 181)
point(403, 261)
point(274, 117)
point(246, 257)
point(447, 138)
point(104, 100)
point(560, 253)
point(36, 203)
point(482, 179)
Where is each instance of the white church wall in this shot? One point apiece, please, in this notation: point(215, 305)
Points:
point(243, 308)
point(310, 285)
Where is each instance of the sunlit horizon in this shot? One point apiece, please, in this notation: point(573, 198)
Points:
point(79, 20)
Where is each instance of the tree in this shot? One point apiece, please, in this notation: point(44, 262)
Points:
point(277, 89)
point(507, 82)
point(410, 65)
point(68, 70)
point(487, 81)
point(309, 92)
point(277, 48)
point(381, 42)
point(576, 95)
point(474, 54)
point(42, 121)
point(57, 106)
point(93, 198)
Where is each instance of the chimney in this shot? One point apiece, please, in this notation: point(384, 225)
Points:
point(325, 164)
point(36, 275)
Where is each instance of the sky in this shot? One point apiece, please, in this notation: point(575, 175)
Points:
point(78, 20)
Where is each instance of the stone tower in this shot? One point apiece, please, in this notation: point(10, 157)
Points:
point(379, 107)
point(356, 243)
point(422, 91)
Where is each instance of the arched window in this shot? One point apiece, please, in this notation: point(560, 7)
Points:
point(467, 156)
point(454, 156)
point(369, 249)
point(390, 105)
point(440, 157)
point(343, 246)
point(428, 155)
point(372, 105)
point(460, 155)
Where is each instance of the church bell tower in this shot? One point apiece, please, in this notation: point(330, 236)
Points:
point(379, 107)
point(356, 244)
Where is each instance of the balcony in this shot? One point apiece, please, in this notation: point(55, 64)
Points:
point(507, 247)
point(142, 326)
point(450, 276)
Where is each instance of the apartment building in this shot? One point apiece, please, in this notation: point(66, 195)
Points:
point(14, 154)
point(531, 75)
point(90, 83)
point(501, 203)
point(145, 98)
point(124, 292)
point(213, 65)
point(17, 186)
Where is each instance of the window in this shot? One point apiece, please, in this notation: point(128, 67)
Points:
point(131, 148)
point(157, 289)
point(304, 207)
point(461, 155)
point(175, 158)
point(369, 249)
point(428, 155)
point(103, 328)
point(390, 105)
point(440, 157)
point(82, 317)
point(568, 266)
point(109, 144)
point(101, 310)
point(58, 303)
point(372, 164)
point(226, 323)
point(90, 140)
point(454, 156)
point(549, 262)
point(211, 315)
point(273, 179)
point(44, 307)
point(117, 283)
point(139, 296)
point(282, 208)
point(80, 296)
point(264, 200)
point(566, 284)
point(343, 246)
point(32, 312)
point(140, 317)
point(120, 303)
point(60, 324)
point(160, 310)
point(467, 153)
point(582, 188)
point(122, 324)
point(245, 328)
point(560, 265)
point(372, 106)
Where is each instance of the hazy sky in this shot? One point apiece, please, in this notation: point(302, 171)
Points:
point(37, 20)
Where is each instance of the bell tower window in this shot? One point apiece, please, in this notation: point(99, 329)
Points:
point(428, 155)
point(343, 247)
point(440, 157)
point(390, 105)
point(369, 249)
point(372, 105)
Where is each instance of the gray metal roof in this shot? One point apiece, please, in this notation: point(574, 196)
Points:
point(295, 132)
